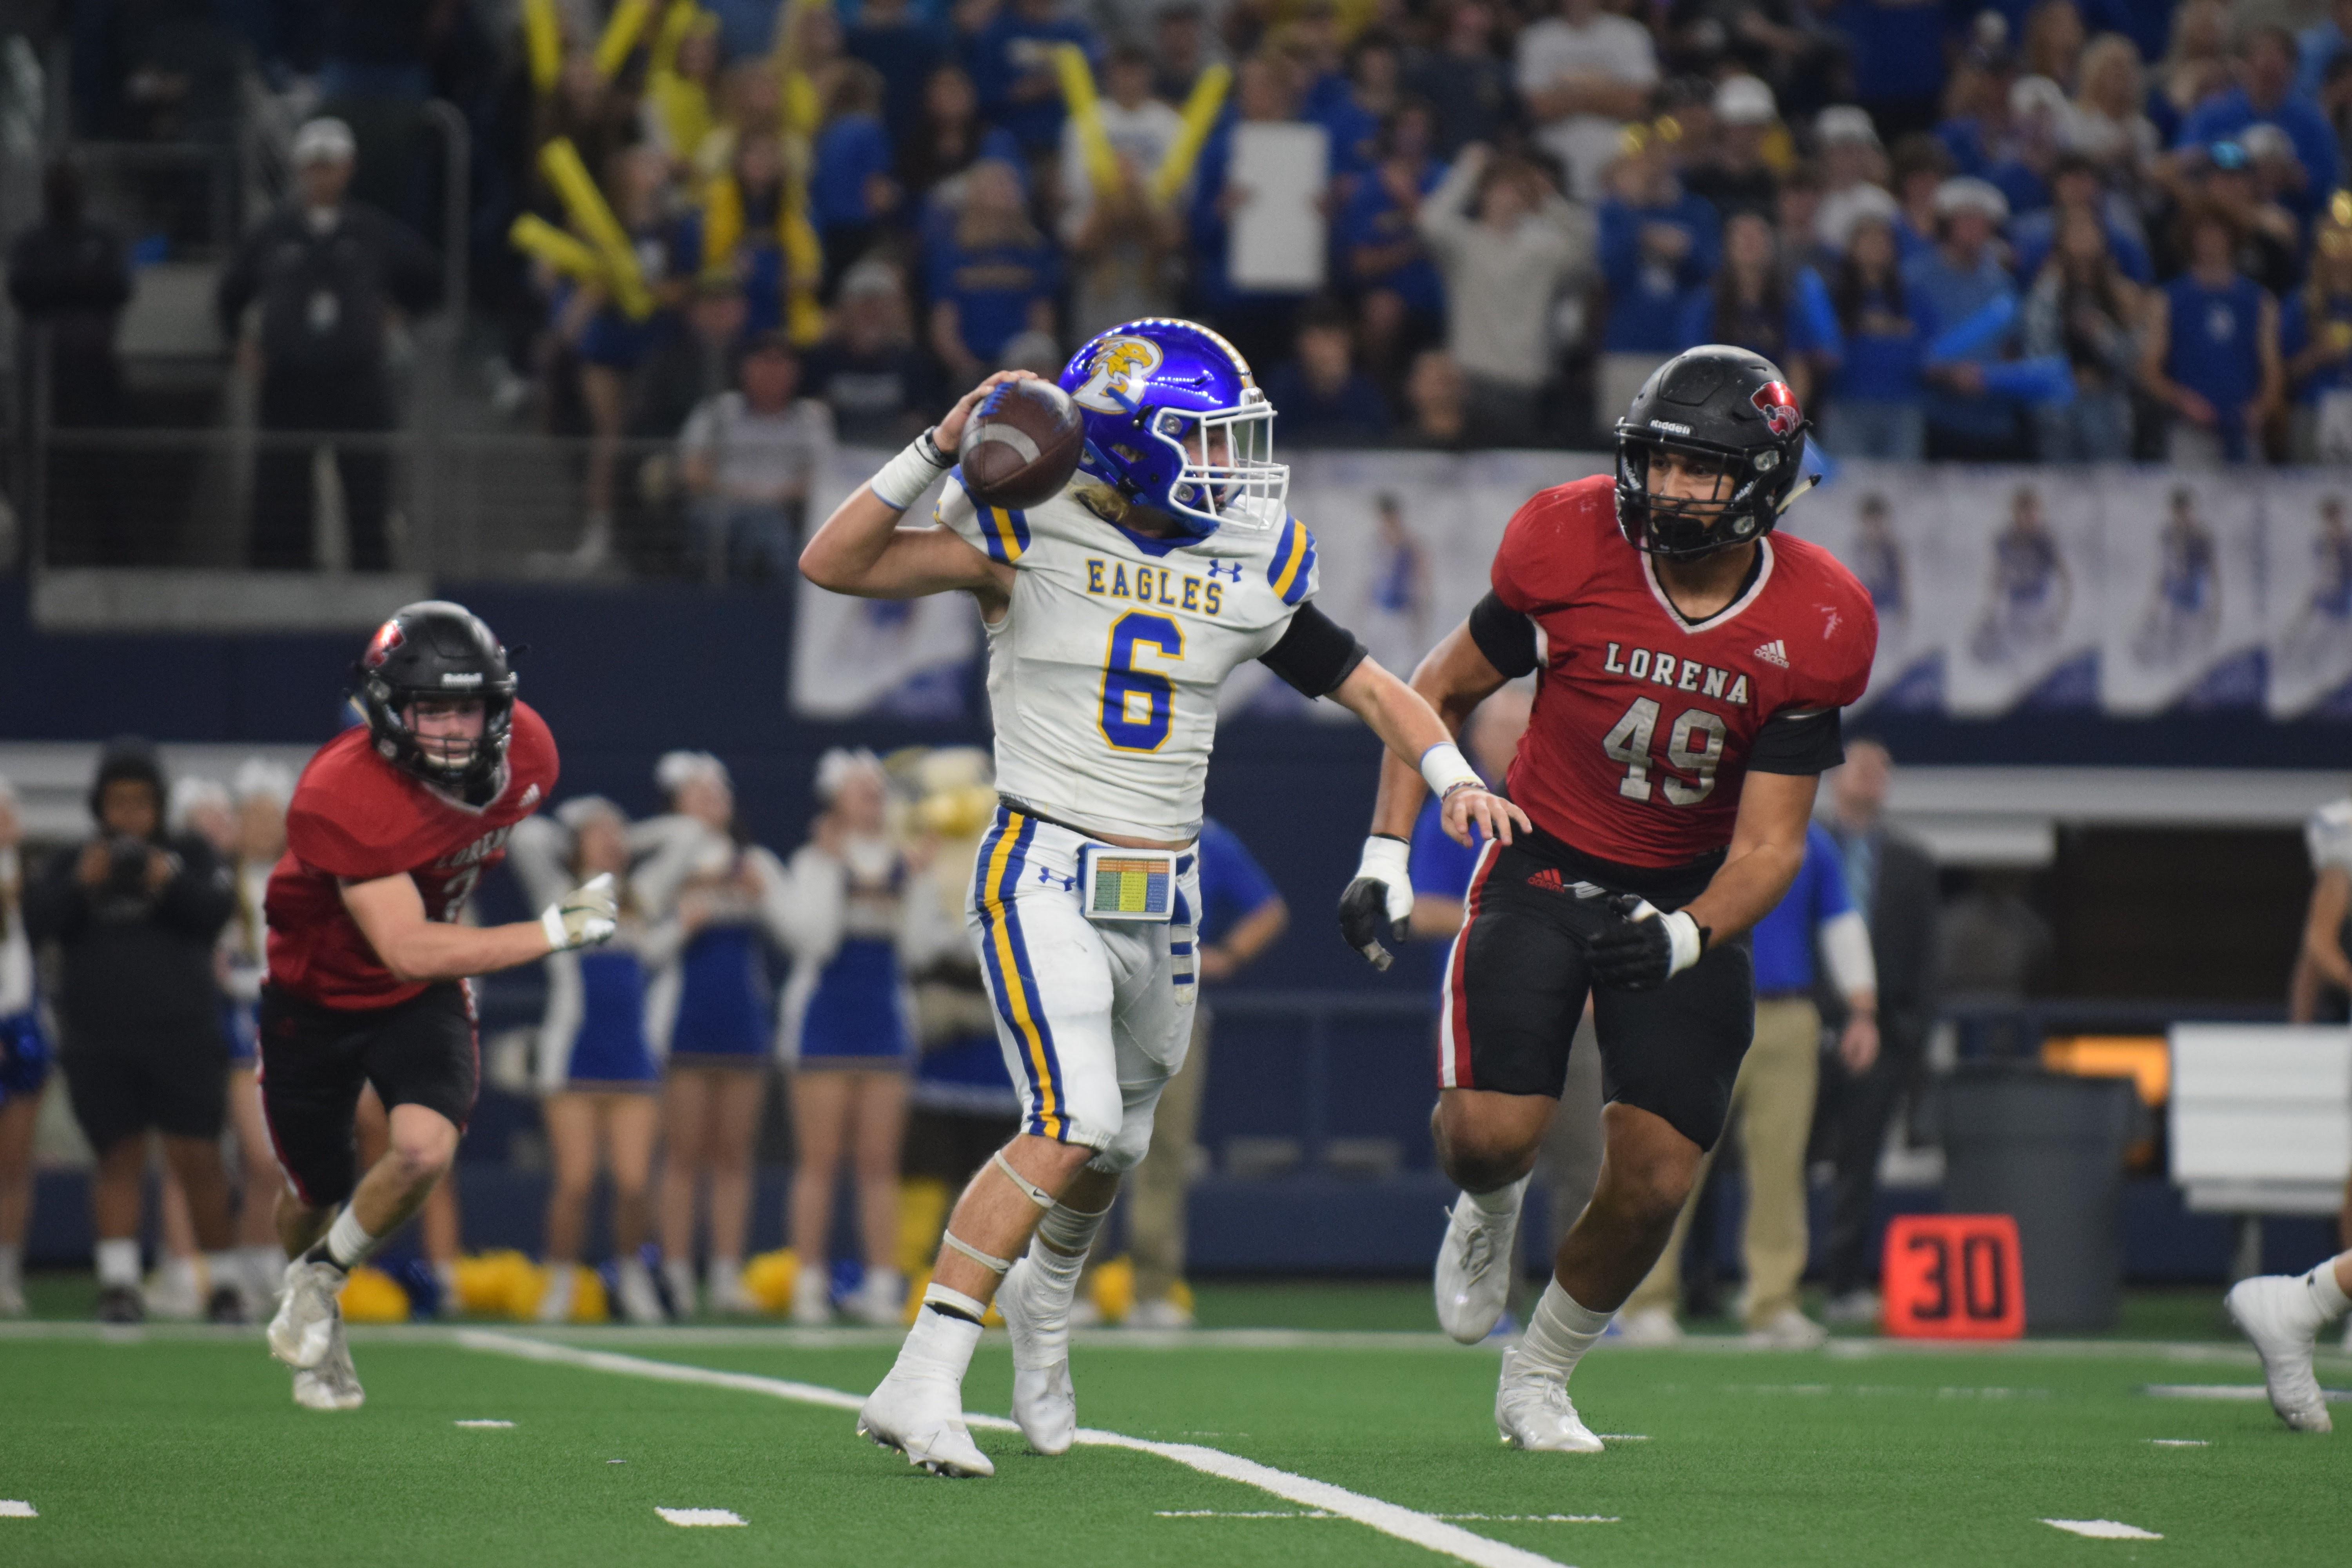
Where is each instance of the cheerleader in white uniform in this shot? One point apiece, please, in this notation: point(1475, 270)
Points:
point(597, 1076)
point(24, 1063)
point(711, 1017)
point(847, 1037)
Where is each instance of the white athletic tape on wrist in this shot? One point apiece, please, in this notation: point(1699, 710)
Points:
point(901, 482)
point(1683, 943)
point(1029, 1189)
point(551, 921)
point(993, 1264)
point(941, 1295)
point(1388, 860)
point(1445, 770)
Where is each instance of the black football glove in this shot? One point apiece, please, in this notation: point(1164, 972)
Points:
point(1377, 906)
point(1640, 949)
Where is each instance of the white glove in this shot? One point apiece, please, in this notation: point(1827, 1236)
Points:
point(583, 917)
point(1376, 907)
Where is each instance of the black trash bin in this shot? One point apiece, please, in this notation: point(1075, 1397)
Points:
point(2047, 1149)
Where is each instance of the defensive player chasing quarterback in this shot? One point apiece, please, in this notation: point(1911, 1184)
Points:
point(392, 825)
point(1114, 611)
point(1690, 671)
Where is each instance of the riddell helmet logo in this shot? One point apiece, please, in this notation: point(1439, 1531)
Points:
point(1778, 406)
point(387, 637)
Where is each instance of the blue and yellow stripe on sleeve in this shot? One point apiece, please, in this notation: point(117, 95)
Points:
point(1292, 570)
point(1004, 532)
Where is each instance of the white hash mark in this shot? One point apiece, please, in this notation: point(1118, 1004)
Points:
point(2103, 1529)
point(482, 1423)
point(2179, 1442)
point(10, 1508)
point(690, 1516)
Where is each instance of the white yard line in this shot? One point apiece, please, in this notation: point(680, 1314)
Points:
point(2248, 1391)
point(1403, 1523)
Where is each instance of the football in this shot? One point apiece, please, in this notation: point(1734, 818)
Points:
point(1020, 445)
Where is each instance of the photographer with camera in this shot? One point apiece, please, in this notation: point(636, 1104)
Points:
point(134, 914)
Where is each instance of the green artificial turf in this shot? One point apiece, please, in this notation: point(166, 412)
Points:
point(180, 1448)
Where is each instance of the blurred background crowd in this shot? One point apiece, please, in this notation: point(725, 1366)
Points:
point(736, 233)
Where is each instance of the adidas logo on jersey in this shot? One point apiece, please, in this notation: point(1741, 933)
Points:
point(1548, 880)
point(1773, 653)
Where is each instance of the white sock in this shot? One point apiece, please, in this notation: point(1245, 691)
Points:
point(678, 1273)
point(2325, 1293)
point(12, 1264)
point(348, 1241)
point(722, 1276)
point(221, 1269)
point(883, 1284)
point(939, 1346)
point(263, 1268)
point(117, 1263)
point(445, 1274)
point(1559, 1331)
point(1064, 1238)
point(1502, 1202)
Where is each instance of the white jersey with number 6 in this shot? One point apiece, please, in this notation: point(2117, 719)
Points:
point(1103, 675)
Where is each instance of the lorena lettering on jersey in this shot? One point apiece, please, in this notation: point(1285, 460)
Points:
point(479, 850)
point(1155, 585)
point(1682, 674)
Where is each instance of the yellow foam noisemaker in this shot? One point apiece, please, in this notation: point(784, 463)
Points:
point(542, 40)
point(1111, 1288)
point(768, 1280)
point(372, 1296)
point(628, 19)
point(502, 1284)
point(536, 237)
point(683, 103)
point(559, 160)
point(1200, 109)
point(1085, 113)
point(923, 1202)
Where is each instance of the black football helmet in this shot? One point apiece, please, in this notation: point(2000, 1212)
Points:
point(1716, 402)
point(434, 650)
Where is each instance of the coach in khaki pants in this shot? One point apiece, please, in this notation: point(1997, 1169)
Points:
point(1772, 1103)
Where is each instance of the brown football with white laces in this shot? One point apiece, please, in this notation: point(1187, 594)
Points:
point(1020, 445)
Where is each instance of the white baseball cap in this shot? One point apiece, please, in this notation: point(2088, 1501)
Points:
point(1844, 124)
point(1743, 101)
point(325, 140)
point(1967, 194)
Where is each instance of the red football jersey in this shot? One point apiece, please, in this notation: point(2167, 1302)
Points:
point(355, 818)
point(1643, 720)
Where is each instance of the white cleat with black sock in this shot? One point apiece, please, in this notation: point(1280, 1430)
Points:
point(1474, 1263)
point(921, 1416)
point(334, 1383)
point(308, 1316)
point(1533, 1411)
point(1044, 1401)
point(2278, 1313)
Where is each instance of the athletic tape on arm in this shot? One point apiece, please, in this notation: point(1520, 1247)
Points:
point(993, 1264)
point(1029, 1189)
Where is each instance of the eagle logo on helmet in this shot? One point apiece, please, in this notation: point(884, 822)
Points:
point(1778, 406)
point(380, 647)
point(1114, 381)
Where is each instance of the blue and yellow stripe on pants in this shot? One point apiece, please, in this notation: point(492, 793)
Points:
point(1002, 857)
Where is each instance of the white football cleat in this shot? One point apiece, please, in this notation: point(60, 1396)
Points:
point(922, 1417)
point(812, 1297)
point(640, 1303)
point(2276, 1312)
point(555, 1300)
point(1788, 1330)
point(333, 1385)
point(308, 1315)
point(1650, 1326)
point(1533, 1411)
point(880, 1300)
point(1163, 1313)
point(1044, 1401)
point(1474, 1266)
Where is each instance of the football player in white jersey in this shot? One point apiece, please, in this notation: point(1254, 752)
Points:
point(1114, 611)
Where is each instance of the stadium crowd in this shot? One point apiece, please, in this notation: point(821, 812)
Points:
point(2073, 230)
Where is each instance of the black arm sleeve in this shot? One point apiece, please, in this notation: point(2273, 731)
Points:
point(1799, 740)
point(1316, 653)
point(1504, 635)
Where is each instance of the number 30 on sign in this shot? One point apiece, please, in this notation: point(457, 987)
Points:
point(1954, 1276)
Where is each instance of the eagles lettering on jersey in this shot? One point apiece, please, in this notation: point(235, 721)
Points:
point(1103, 674)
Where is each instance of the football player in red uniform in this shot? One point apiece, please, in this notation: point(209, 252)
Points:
point(390, 826)
point(1690, 668)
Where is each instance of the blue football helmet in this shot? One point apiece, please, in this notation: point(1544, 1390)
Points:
point(1175, 422)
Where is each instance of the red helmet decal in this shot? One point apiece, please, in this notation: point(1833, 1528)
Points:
point(1778, 406)
point(388, 637)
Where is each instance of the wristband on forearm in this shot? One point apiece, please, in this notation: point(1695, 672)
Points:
point(902, 480)
point(1445, 770)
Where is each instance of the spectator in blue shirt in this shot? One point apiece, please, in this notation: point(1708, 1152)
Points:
point(1012, 64)
point(851, 193)
point(1759, 302)
point(2082, 308)
point(2037, 117)
point(1464, 78)
point(992, 274)
point(2211, 354)
point(947, 138)
point(905, 48)
point(1773, 1100)
point(2318, 46)
point(1324, 400)
point(1355, 117)
point(1873, 408)
point(2265, 94)
point(1658, 246)
point(2315, 341)
point(1949, 286)
point(2075, 186)
point(1241, 916)
point(1381, 254)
